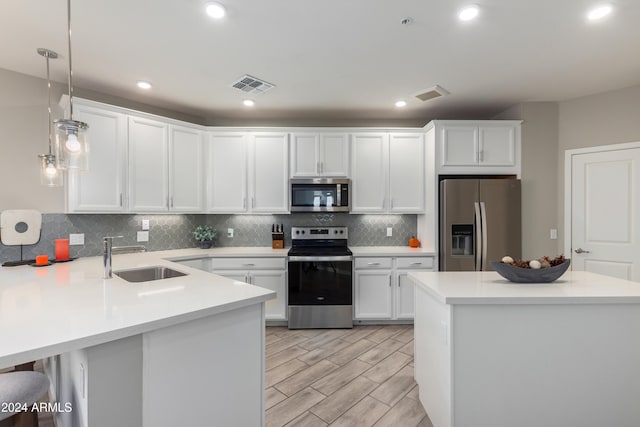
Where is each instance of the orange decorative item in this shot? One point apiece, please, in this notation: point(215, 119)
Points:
point(413, 242)
point(42, 260)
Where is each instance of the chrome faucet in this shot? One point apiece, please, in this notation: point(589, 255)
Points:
point(107, 245)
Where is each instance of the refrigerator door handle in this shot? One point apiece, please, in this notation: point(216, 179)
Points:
point(485, 234)
point(478, 237)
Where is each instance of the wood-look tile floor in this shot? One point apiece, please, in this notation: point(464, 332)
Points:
point(358, 377)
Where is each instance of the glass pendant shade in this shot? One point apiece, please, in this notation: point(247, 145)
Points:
point(50, 176)
point(71, 145)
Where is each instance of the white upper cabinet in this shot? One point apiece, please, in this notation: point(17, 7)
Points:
point(186, 192)
point(319, 154)
point(269, 173)
point(102, 188)
point(148, 165)
point(406, 173)
point(226, 168)
point(247, 172)
point(369, 172)
point(387, 173)
point(485, 146)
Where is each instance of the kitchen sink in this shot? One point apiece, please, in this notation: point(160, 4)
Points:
point(147, 274)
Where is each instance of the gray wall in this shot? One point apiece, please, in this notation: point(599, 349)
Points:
point(540, 176)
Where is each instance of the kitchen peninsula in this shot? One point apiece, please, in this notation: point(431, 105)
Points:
point(491, 353)
point(179, 351)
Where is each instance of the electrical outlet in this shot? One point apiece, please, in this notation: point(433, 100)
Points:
point(389, 231)
point(553, 234)
point(143, 236)
point(76, 239)
point(230, 232)
point(145, 224)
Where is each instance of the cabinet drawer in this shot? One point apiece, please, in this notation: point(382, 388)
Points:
point(372, 262)
point(415, 262)
point(247, 263)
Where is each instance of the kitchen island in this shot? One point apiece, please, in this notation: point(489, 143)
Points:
point(179, 351)
point(491, 353)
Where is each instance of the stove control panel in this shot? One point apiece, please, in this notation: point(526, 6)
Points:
point(318, 233)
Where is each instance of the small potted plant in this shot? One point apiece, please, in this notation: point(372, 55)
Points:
point(205, 234)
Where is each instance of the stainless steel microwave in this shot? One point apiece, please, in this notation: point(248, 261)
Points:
point(320, 195)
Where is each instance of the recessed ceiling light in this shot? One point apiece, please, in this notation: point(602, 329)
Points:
point(599, 12)
point(215, 10)
point(401, 104)
point(469, 12)
point(248, 103)
point(144, 85)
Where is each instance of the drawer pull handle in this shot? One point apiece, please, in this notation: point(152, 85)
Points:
point(373, 263)
point(416, 263)
point(248, 265)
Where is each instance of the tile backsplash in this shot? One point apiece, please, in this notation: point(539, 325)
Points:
point(176, 231)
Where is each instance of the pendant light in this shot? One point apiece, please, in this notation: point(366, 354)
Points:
point(71, 147)
point(49, 173)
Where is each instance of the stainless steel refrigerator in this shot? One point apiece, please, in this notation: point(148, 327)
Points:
point(480, 221)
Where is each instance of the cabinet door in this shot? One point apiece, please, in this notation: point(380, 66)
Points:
point(270, 182)
point(406, 173)
point(369, 169)
point(185, 170)
point(275, 309)
point(304, 155)
point(404, 307)
point(226, 168)
point(373, 293)
point(459, 146)
point(148, 165)
point(102, 188)
point(334, 155)
point(497, 146)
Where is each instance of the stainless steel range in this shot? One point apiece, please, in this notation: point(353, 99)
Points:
point(320, 278)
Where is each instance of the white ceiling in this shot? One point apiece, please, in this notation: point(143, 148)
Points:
point(341, 61)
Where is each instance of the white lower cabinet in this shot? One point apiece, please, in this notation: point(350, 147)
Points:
point(382, 290)
point(373, 294)
point(268, 273)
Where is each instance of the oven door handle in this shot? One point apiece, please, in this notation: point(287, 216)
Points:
point(320, 258)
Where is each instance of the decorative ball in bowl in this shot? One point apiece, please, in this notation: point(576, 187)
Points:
point(517, 274)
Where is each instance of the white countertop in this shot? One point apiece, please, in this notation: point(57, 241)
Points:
point(389, 251)
point(574, 287)
point(66, 306)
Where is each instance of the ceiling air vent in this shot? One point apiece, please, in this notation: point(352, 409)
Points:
point(431, 93)
point(253, 85)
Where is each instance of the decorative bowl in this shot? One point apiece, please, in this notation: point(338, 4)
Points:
point(529, 275)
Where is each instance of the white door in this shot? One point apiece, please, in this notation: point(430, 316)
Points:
point(269, 173)
point(373, 294)
point(405, 297)
point(148, 165)
point(226, 170)
point(605, 212)
point(102, 188)
point(369, 168)
point(274, 309)
point(460, 145)
point(406, 173)
point(185, 170)
point(497, 145)
point(304, 155)
point(334, 155)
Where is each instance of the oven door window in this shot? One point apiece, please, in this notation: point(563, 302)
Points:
point(316, 195)
point(320, 283)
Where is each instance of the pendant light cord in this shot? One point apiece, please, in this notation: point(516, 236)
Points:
point(49, 104)
point(70, 71)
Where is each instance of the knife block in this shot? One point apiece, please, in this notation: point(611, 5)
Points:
point(277, 240)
